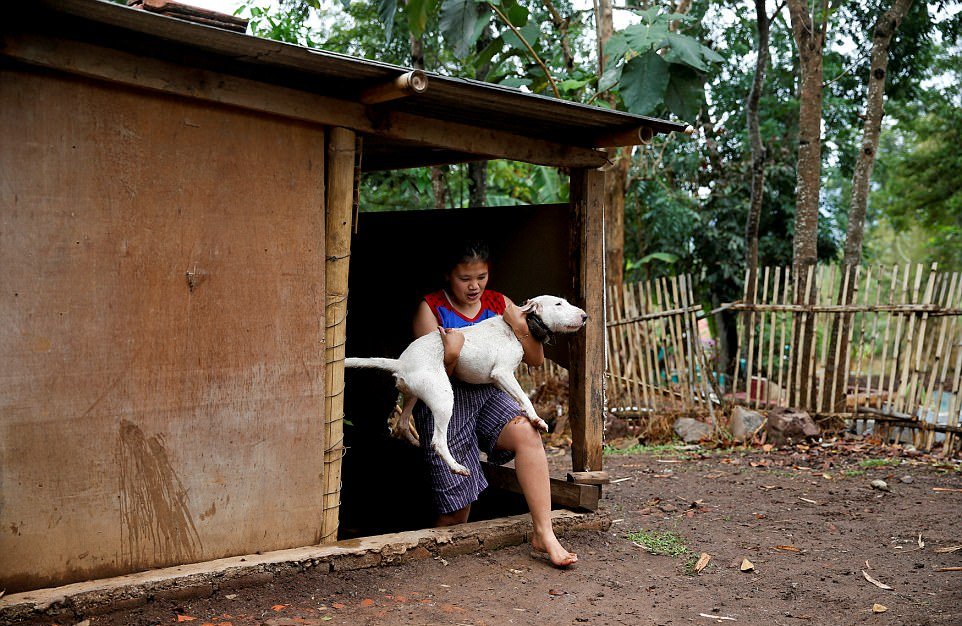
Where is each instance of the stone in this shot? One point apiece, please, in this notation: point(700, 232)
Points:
point(745, 422)
point(788, 426)
point(691, 430)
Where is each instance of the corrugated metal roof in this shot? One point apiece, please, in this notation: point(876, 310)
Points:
point(449, 99)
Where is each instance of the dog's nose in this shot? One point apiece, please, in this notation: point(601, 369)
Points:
point(584, 318)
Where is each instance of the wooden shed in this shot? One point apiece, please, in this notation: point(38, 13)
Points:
point(177, 203)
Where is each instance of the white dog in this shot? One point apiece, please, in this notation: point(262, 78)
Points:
point(491, 353)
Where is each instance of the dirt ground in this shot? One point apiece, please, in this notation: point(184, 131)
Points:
point(807, 518)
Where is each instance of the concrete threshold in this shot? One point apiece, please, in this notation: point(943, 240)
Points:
point(197, 580)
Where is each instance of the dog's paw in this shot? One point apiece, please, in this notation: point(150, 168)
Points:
point(539, 423)
point(461, 470)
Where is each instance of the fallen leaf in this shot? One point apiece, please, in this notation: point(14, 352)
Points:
point(767, 447)
point(337, 605)
point(879, 608)
point(921, 543)
point(788, 548)
point(231, 596)
point(702, 562)
point(278, 607)
point(746, 566)
point(185, 618)
point(556, 592)
point(827, 476)
point(367, 602)
point(948, 549)
point(878, 584)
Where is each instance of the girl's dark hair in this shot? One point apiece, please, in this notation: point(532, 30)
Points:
point(468, 251)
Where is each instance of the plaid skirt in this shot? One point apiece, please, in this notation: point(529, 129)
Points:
point(480, 413)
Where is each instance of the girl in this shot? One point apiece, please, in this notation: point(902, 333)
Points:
point(485, 418)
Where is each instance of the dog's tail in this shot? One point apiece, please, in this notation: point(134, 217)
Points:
point(390, 365)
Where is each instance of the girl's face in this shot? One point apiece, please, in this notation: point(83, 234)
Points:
point(467, 281)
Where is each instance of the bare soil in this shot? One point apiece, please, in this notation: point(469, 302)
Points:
point(806, 517)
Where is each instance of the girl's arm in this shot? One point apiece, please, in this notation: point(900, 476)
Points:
point(452, 340)
point(533, 350)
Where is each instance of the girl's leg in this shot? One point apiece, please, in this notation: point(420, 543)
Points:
point(452, 519)
point(531, 465)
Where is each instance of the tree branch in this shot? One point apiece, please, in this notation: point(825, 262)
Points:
point(534, 55)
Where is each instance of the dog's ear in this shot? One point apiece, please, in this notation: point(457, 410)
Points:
point(530, 306)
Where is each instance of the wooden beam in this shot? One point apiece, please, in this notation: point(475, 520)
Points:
point(409, 84)
point(571, 495)
point(124, 68)
point(589, 478)
point(586, 369)
point(631, 137)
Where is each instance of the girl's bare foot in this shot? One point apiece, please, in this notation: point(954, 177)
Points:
point(552, 548)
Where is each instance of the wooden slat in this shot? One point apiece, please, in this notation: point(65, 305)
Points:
point(572, 495)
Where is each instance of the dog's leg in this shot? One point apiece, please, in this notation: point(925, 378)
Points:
point(510, 385)
point(435, 391)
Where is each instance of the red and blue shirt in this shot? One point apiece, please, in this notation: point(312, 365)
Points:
point(492, 304)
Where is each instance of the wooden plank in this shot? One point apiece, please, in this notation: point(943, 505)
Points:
point(160, 352)
point(572, 495)
point(589, 478)
point(121, 67)
point(587, 369)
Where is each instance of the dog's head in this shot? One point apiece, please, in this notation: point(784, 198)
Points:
point(548, 315)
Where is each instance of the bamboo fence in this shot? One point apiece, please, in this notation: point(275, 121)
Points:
point(904, 348)
point(657, 363)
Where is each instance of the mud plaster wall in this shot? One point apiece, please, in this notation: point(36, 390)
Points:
point(161, 331)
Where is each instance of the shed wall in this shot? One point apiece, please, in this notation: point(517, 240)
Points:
point(161, 331)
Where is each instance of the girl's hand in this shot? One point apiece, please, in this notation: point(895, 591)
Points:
point(452, 340)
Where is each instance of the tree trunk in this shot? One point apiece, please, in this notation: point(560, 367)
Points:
point(757, 147)
point(438, 174)
point(884, 30)
point(616, 178)
point(808, 30)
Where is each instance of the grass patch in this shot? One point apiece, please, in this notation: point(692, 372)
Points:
point(854, 473)
point(870, 463)
point(664, 543)
point(659, 450)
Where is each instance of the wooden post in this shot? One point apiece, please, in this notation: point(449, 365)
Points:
point(340, 209)
point(587, 369)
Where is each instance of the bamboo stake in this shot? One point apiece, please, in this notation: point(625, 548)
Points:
point(772, 320)
point(633, 339)
point(875, 336)
point(896, 351)
point(926, 391)
point(927, 297)
point(905, 385)
point(341, 153)
point(826, 289)
point(681, 362)
point(738, 352)
point(761, 337)
point(612, 337)
point(943, 352)
point(781, 344)
point(790, 379)
point(651, 336)
point(953, 418)
point(866, 286)
point(809, 318)
point(750, 356)
point(674, 337)
point(847, 276)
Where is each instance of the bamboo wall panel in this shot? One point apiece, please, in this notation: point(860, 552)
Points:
point(162, 310)
point(903, 356)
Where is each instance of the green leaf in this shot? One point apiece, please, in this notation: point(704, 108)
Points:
point(610, 78)
point(418, 11)
point(530, 32)
point(643, 37)
point(489, 51)
point(616, 48)
point(685, 92)
point(386, 10)
point(517, 14)
point(571, 85)
point(459, 19)
point(685, 50)
point(516, 81)
point(643, 83)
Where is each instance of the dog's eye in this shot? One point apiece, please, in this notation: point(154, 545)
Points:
point(557, 304)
